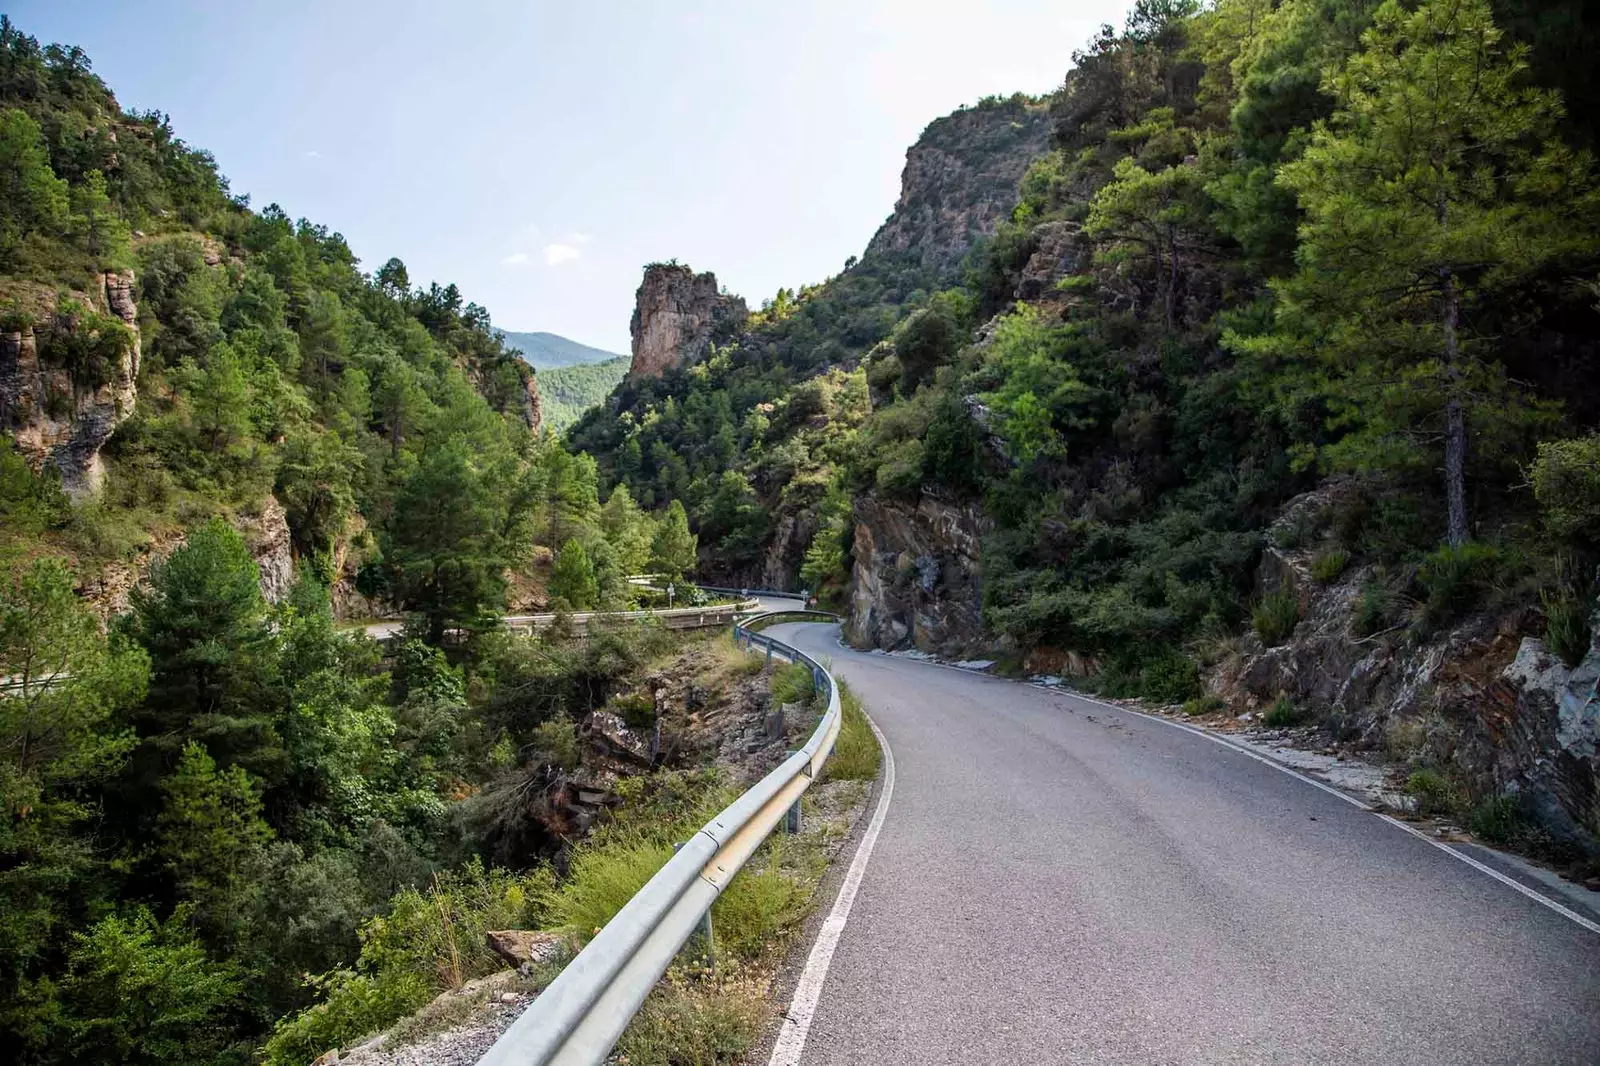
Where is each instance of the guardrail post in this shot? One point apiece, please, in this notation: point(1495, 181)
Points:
point(769, 654)
point(791, 821)
point(708, 943)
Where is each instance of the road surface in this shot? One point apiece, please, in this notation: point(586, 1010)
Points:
point(1061, 882)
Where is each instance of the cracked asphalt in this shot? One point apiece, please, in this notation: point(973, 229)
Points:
point(1062, 882)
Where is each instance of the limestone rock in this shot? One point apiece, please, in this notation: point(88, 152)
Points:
point(1059, 250)
point(1482, 697)
point(62, 415)
point(267, 535)
point(960, 181)
point(677, 314)
point(522, 947)
point(917, 580)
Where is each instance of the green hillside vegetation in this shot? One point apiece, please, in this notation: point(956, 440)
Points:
point(548, 350)
point(208, 797)
point(569, 391)
point(1281, 276)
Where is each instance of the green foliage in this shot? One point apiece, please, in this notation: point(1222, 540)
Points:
point(1202, 705)
point(448, 543)
point(1374, 608)
point(1328, 564)
point(556, 741)
point(210, 836)
point(1412, 228)
point(1459, 580)
point(1567, 632)
point(1433, 792)
point(142, 992)
point(674, 548)
point(566, 392)
point(856, 755)
point(1282, 713)
point(572, 582)
point(792, 683)
point(1275, 617)
point(1170, 677)
point(1566, 482)
point(430, 940)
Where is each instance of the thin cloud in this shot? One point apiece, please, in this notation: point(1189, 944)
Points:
point(313, 154)
point(515, 259)
point(556, 254)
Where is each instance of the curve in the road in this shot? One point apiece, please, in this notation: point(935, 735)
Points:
point(1060, 881)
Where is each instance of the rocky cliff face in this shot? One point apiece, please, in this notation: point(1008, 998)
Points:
point(960, 181)
point(1482, 697)
point(917, 580)
point(677, 314)
point(68, 373)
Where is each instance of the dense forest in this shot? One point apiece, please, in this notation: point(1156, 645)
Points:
point(208, 787)
point(569, 391)
point(1269, 275)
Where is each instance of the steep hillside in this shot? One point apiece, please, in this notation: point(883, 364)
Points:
point(216, 433)
point(569, 391)
point(547, 350)
point(1211, 298)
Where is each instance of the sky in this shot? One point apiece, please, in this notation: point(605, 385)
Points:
point(539, 154)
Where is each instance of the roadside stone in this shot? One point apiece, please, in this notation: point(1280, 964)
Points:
point(521, 947)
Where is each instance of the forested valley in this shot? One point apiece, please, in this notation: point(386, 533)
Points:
point(1254, 370)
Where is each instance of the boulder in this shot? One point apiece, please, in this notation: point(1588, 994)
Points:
point(523, 947)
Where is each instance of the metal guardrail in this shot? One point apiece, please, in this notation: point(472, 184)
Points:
point(580, 1016)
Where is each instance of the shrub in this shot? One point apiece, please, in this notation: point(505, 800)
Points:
point(1329, 564)
point(1170, 677)
point(1566, 482)
point(603, 876)
point(1458, 578)
point(637, 709)
point(1372, 608)
point(761, 904)
point(1282, 713)
point(1433, 792)
point(1567, 635)
point(792, 683)
point(1275, 617)
point(429, 941)
point(1499, 820)
point(1204, 705)
point(855, 754)
point(557, 740)
point(692, 1022)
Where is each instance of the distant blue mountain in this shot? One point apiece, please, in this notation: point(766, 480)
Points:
point(546, 350)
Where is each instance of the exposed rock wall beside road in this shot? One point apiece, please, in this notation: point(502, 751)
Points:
point(917, 579)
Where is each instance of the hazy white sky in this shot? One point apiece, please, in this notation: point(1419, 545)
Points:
point(539, 154)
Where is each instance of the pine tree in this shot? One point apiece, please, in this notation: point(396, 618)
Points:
point(672, 553)
point(573, 579)
point(1436, 182)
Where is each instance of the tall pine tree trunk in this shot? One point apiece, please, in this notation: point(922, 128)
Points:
point(1455, 417)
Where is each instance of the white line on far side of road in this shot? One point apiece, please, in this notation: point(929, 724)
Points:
point(1537, 897)
point(803, 1007)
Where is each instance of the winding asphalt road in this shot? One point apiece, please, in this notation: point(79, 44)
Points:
point(1061, 882)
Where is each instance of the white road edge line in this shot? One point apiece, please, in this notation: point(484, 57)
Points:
point(1537, 897)
point(1512, 883)
point(803, 1007)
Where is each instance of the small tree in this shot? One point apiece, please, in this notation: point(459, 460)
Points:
point(1436, 183)
point(674, 548)
point(204, 623)
point(573, 579)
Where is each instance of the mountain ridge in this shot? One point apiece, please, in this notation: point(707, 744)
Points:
point(545, 351)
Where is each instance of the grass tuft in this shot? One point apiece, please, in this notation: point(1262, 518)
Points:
point(1275, 617)
point(856, 755)
point(1283, 712)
